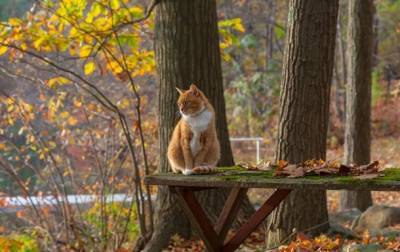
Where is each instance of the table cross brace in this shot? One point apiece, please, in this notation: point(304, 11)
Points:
point(214, 237)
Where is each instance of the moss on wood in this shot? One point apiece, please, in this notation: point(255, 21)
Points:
point(238, 176)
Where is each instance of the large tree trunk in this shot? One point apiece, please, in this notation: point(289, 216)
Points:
point(358, 96)
point(187, 51)
point(303, 123)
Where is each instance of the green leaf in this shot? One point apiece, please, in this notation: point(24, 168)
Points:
point(128, 39)
point(279, 32)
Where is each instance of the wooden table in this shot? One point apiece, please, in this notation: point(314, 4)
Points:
point(240, 180)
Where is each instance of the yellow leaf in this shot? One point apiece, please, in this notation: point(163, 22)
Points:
point(77, 103)
point(38, 43)
point(64, 114)
point(136, 11)
point(96, 9)
point(10, 108)
point(28, 107)
point(72, 120)
point(89, 67)
point(73, 32)
point(239, 26)
point(115, 67)
point(3, 50)
point(15, 21)
point(52, 144)
point(102, 24)
point(114, 4)
point(85, 51)
point(57, 81)
point(2, 146)
point(124, 103)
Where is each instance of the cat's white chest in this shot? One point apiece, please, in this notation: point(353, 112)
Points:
point(198, 124)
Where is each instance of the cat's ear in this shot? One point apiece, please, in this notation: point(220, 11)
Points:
point(180, 91)
point(194, 90)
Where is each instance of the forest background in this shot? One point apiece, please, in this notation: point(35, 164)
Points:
point(53, 128)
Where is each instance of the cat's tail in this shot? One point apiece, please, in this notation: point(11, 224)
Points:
point(205, 169)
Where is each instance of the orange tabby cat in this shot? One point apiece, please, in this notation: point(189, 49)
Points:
point(194, 146)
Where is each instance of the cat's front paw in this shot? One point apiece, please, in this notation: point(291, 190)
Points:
point(187, 172)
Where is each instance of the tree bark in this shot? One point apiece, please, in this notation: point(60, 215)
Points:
point(187, 51)
point(357, 146)
point(304, 103)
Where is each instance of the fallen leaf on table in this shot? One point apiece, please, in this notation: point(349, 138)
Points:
point(292, 171)
point(264, 166)
point(367, 169)
point(320, 167)
point(248, 166)
point(282, 164)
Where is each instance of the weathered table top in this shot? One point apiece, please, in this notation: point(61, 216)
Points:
point(389, 180)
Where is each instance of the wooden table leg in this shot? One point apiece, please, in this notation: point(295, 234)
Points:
point(213, 239)
point(276, 198)
point(229, 212)
point(199, 219)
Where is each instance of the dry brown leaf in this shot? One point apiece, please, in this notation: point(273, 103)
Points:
point(320, 167)
point(265, 166)
point(282, 164)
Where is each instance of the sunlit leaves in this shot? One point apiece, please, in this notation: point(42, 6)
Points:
point(95, 41)
point(228, 38)
point(86, 29)
point(94, 12)
point(235, 23)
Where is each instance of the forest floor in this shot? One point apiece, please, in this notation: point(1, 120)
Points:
point(386, 150)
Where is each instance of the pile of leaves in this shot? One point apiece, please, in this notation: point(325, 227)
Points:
point(321, 167)
point(306, 243)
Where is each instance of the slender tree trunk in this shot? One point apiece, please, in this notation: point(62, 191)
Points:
point(341, 61)
point(187, 51)
point(357, 146)
point(269, 34)
point(303, 123)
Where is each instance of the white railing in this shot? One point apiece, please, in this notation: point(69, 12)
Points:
point(13, 204)
point(250, 139)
